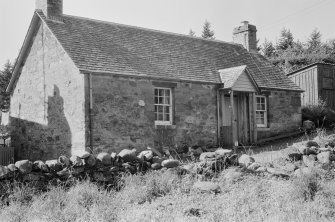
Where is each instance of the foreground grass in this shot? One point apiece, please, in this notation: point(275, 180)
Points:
point(166, 196)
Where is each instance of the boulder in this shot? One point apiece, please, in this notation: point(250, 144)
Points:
point(128, 155)
point(39, 165)
point(196, 151)
point(309, 161)
point(147, 154)
point(324, 157)
point(24, 166)
point(105, 158)
point(170, 163)
point(207, 156)
point(54, 165)
point(64, 161)
point(82, 154)
point(312, 143)
point(206, 187)
point(290, 167)
point(307, 150)
point(156, 166)
point(254, 166)
point(295, 156)
point(223, 152)
point(4, 171)
point(64, 173)
point(277, 172)
point(12, 168)
point(245, 160)
point(76, 161)
point(157, 159)
point(129, 168)
point(261, 169)
point(90, 161)
point(324, 149)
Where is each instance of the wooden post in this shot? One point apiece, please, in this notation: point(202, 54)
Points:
point(219, 116)
point(254, 116)
point(233, 117)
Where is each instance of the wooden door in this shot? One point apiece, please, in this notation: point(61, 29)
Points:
point(241, 119)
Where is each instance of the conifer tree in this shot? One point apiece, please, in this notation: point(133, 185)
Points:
point(207, 33)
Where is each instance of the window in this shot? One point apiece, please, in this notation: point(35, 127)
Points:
point(163, 106)
point(261, 113)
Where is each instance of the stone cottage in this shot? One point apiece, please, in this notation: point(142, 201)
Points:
point(80, 83)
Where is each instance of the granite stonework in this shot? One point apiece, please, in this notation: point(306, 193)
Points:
point(123, 114)
point(284, 114)
point(48, 103)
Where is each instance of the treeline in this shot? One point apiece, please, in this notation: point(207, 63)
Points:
point(291, 55)
point(5, 75)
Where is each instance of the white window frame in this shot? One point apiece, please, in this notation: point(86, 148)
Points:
point(160, 122)
point(265, 111)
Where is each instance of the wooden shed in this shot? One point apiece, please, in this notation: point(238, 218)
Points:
point(318, 81)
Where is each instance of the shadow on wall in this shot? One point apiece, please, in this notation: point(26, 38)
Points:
point(35, 141)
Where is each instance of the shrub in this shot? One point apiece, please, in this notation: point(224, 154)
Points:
point(319, 113)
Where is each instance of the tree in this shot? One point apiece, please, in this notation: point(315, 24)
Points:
point(267, 48)
point(207, 33)
point(191, 33)
point(5, 76)
point(285, 40)
point(314, 41)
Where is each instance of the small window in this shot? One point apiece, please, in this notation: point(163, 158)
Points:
point(261, 112)
point(163, 106)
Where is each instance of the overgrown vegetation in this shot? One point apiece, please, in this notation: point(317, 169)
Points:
point(319, 113)
point(168, 196)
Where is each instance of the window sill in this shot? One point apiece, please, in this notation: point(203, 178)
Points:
point(165, 126)
point(260, 128)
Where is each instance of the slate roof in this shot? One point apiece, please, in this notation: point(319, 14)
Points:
point(107, 47)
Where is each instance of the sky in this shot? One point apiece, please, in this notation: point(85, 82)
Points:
point(179, 16)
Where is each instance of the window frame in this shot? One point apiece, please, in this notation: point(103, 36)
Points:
point(161, 122)
point(265, 112)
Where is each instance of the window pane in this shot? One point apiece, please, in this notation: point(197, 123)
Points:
point(160, 117)
point(167, 100)
point(160, 100)
point(167, 109)
point(156, 92)
point(167, 117)
point(160, 109)
point(263, 106)
point(156, 109)
point(161, 92)
point(156, 100)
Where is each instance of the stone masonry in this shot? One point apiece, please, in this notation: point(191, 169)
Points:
point(48, 103)
point(123, 114)
point(284, 113)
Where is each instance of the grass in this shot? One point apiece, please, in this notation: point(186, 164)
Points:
point(168, 196)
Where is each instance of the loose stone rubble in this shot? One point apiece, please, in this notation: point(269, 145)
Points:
point(107, 168)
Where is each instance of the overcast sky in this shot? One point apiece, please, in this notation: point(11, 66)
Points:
point(179, 16)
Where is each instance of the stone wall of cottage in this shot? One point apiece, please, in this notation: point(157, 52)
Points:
point(123, 115)
point(48, 102)
point(284, 115)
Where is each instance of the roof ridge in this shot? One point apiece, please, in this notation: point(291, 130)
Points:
point(153, 30)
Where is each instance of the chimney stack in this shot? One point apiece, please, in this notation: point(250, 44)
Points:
point(246, 36)
point(51, 8)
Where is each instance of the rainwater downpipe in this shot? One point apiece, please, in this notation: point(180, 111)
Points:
point(90, 110)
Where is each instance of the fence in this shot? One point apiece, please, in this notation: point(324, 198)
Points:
point(6, 155)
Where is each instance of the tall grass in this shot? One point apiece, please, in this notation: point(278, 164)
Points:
point(167, 196)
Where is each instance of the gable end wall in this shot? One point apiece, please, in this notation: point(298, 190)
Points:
point(48, 102)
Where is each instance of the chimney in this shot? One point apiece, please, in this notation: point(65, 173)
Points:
point(51, 8)
point(246, 36)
